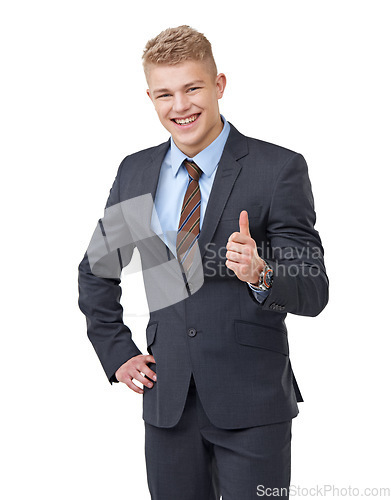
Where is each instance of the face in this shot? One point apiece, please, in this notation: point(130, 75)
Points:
point(186, 97)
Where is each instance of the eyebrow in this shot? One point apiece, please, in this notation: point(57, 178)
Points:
point(191, 84)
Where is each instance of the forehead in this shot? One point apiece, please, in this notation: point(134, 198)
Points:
point(173, 76)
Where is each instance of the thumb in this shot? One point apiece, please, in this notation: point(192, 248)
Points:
point(243, 223)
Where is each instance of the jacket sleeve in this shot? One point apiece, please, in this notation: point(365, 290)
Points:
point(295, 252)
point(99, 298)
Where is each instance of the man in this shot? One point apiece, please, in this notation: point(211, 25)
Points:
point(218, 391)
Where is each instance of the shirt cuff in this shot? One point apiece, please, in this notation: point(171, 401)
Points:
point(260, 295)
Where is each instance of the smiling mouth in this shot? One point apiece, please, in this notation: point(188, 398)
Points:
point(185, 121)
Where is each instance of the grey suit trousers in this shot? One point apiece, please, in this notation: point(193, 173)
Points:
point(194, 460)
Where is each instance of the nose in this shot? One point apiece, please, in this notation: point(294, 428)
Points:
point(181, 103)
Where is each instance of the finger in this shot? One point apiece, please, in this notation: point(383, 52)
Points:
point(239, 238)
point(233, 236)
point(138, 376)
point(232, 265)
point(239, 258)
point(149, 373)
point(146, 369)
point(243, 223)
point(133, 386)
point(233, 256)
point(239, 252)
point(145, 381)
point(234, 246)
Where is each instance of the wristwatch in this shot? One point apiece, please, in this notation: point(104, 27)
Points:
point(265, 278)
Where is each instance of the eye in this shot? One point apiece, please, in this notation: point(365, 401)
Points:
point(162, 96)
point(191, 89)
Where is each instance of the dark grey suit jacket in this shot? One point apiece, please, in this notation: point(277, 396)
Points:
point(236, 348)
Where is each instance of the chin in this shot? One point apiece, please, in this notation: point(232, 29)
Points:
point(187, 142)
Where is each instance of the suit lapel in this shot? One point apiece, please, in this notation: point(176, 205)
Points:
point(150, 174)
point(149, 182)
point(226, 175)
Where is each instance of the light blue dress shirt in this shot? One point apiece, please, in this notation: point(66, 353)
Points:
point(172, 185)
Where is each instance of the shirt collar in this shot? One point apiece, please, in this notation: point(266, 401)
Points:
point(207, 159)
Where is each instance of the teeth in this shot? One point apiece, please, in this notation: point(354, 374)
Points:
point(187, 120)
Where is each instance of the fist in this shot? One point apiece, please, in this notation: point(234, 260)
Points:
point(242, 254)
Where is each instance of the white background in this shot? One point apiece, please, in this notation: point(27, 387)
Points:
point(308, 75)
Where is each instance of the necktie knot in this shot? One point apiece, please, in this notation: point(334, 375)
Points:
point(193, 170)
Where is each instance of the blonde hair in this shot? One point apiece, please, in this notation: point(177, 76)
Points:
point(175, 45)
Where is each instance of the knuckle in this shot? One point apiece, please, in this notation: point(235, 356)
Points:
point(133, 373)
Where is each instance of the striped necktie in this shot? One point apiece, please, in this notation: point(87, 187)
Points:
point(189, 223)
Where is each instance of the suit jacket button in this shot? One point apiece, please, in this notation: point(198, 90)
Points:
point(191, 332)
point(272, 306)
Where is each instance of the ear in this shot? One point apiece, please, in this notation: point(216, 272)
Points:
point(221, 82)
point(149, 94)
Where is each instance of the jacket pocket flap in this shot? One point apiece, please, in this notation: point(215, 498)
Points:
point(262, 336)
point(151, 332)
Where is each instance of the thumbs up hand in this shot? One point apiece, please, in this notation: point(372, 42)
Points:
point(242, 255)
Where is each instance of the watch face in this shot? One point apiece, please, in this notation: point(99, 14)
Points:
point(268, 278)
